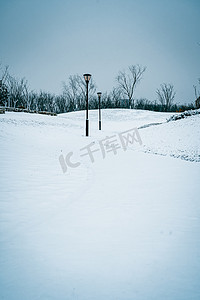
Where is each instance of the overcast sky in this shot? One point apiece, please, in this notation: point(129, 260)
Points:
point(48, 40)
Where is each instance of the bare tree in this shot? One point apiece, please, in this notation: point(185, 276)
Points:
point(3, 94)
point(127, 81)
point(16, 90)
point(75, 91)
point(196, 91)
point(27, 95)
point(3, 85)
point(116, 96)
point(61, 105)
point(4, 74)
point(166, 95)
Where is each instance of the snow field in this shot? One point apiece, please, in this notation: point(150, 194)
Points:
point(123, 227)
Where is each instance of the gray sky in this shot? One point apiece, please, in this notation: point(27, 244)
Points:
point(48, 40)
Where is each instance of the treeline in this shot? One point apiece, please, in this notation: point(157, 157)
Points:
point(155, 106)
point(17, 94)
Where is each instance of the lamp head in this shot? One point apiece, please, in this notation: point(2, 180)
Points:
point(87, 77)
point(99, 94)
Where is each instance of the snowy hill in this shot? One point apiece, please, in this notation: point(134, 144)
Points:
point(121, 223)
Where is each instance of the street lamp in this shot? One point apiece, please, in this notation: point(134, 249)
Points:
point(87, 79)
point(99, 96)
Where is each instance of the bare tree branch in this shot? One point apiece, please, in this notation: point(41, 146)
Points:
point(127, 81)
point(166, 95)
point(75, 90)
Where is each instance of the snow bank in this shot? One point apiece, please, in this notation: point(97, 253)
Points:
point(184, 114)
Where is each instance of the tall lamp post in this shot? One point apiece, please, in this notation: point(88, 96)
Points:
point(99, 96)
point(87, 79)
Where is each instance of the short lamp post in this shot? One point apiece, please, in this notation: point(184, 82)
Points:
point(87, 79)
point(99, 96)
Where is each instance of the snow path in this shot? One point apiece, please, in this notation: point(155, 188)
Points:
point(125, 227)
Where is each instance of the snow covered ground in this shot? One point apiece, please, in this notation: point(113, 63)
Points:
point(125, 226)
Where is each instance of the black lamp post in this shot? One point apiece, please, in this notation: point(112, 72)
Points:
point(87, 79)
point(99, 96)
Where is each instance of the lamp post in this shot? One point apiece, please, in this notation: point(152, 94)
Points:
point(87, 79)
point(99, 96)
